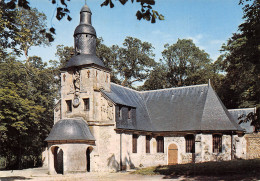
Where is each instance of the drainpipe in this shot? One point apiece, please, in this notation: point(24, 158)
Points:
point(120, 151)
point(232, 151)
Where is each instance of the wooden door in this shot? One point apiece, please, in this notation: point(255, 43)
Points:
point(172, 154)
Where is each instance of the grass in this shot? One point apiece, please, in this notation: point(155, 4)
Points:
point(249, 168)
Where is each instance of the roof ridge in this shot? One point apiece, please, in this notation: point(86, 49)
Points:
point(174, 88)
point(125, 87)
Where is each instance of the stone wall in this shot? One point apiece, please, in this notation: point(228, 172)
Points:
point(253, 145)
point(73, 157)
point(203, 150)
point(207, 148)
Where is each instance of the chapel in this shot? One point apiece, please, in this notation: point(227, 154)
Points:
point(102, 126)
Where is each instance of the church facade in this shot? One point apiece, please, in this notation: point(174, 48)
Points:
point(102, 126)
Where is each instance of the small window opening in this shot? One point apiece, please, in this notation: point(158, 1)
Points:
point(147, 143)
point(217, 143)
point(86, 104)
point(160, 144)
point(190, 143)
point(69, 105)
point(129, 112)
point(134, 143)
point(120, 111)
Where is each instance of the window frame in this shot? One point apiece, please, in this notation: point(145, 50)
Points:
point(190, 143)
point(217, 143)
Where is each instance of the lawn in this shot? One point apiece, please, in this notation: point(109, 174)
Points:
point(238, 169)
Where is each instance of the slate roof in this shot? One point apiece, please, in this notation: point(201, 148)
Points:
point(70, 129)
point(236, 113)
point(84, 59)
point(191, 108)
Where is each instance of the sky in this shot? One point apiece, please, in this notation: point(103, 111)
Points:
point(209, 23)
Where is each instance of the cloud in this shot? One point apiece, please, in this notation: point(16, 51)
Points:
point(162, 34)
point(196, 39)
point(216, 42)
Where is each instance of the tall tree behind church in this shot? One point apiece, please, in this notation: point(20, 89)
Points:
point(241, 86)
point(183, 64)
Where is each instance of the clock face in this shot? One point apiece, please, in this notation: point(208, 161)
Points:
point(76, 102)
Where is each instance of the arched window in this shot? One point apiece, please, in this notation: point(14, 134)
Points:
point(190, 143)
point(217, 143)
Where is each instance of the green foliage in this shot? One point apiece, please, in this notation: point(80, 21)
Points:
point(147, 13)
point(134, 61)
point(27, 95)
point(183, 64)
point(21, 28)
point(241, 61)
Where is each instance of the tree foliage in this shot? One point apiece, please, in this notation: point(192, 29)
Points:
point(147, 13)
point(183, 64)
point(27, 95)
point(21, 28)
point(241, 61)
point(9, 14)
point(133, 61)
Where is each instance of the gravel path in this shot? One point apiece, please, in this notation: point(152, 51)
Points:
point(41, 174)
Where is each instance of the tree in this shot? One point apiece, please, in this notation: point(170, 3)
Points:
point(186, 63)
point(183, 64)
point(133, 61)
point(21, 28)
point(241, 61)
point(157, 78)
point(147, 13)
point(26, 112)
point(30, 23)
point(107, 55)
point(9, 15)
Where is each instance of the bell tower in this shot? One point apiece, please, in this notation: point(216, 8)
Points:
point(85, 34)
point(84, 75)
